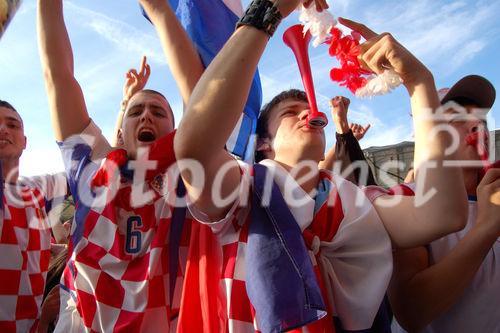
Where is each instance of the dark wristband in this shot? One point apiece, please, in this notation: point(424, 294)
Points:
point(263, 15)
point(349, 135)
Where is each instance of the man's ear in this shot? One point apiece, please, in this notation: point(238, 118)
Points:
point(264, 145)
point(25, 142)
point(119, 139)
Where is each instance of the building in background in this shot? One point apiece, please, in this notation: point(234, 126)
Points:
point(398, 159)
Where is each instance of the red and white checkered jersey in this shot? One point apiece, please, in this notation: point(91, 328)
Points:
point(117, 278)
point(25, 233)
point(355, 265)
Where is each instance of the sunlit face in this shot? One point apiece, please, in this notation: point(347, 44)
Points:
point(471, 121)
point(290, 135)
point(12, 139)
point(148, 117)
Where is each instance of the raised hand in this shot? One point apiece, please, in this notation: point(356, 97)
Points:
point(339, 107)
point(358, 130)
point(383, 51)
point(136, 81)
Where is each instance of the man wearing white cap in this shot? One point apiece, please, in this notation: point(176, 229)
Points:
point(453, 283)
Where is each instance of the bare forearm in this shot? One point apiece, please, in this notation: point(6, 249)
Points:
point(341, 125)
point(433, 291)
point(424, 104)
point(219, 97)
point(55, 49)
point(67, 105)
point(182, 57)
point(447, 210)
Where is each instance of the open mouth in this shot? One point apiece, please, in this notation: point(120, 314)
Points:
point(479, 140)
point(146, 136)
point(5, 141)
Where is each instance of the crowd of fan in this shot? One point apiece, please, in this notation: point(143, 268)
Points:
point(118, 243)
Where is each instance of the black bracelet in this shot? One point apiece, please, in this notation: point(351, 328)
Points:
point(348, 135)
point(263, 15)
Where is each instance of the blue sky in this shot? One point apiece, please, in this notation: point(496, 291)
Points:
point(453, 38)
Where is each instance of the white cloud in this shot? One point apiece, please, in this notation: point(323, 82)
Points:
point(126, 38)
point(384, 135)
point(444, 35)
point(364, 115)
point(380, 133)
point(119, 46)
point(467, 53)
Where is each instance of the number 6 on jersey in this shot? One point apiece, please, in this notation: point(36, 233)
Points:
point(134, 236)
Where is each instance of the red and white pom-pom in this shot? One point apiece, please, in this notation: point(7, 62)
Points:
point(345, 48)
point(319, 24)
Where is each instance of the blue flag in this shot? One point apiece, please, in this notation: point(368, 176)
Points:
point(209, 24)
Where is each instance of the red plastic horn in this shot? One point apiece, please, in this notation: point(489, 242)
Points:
point(299, 43)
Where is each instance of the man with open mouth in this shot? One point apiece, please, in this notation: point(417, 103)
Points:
point(129, 238)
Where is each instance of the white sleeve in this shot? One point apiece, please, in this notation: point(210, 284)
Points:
point(81, 154)
point(52, 186)
point(54, 189)
point(91, 137)
point(357, 263)
point(69, 319)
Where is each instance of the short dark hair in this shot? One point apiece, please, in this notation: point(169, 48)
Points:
point(7, 105)
point(154, 92)
point(265, 113)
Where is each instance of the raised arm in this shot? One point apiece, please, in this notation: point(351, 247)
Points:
point(420, 292)
point(214, 109)
point(347, 149)
point(182, 57)
point(414, 221)
point(134, 82)
point(67, 105)
point(212, 113)
point(339, 106)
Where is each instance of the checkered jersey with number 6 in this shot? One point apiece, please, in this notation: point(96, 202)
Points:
point(117, 278)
